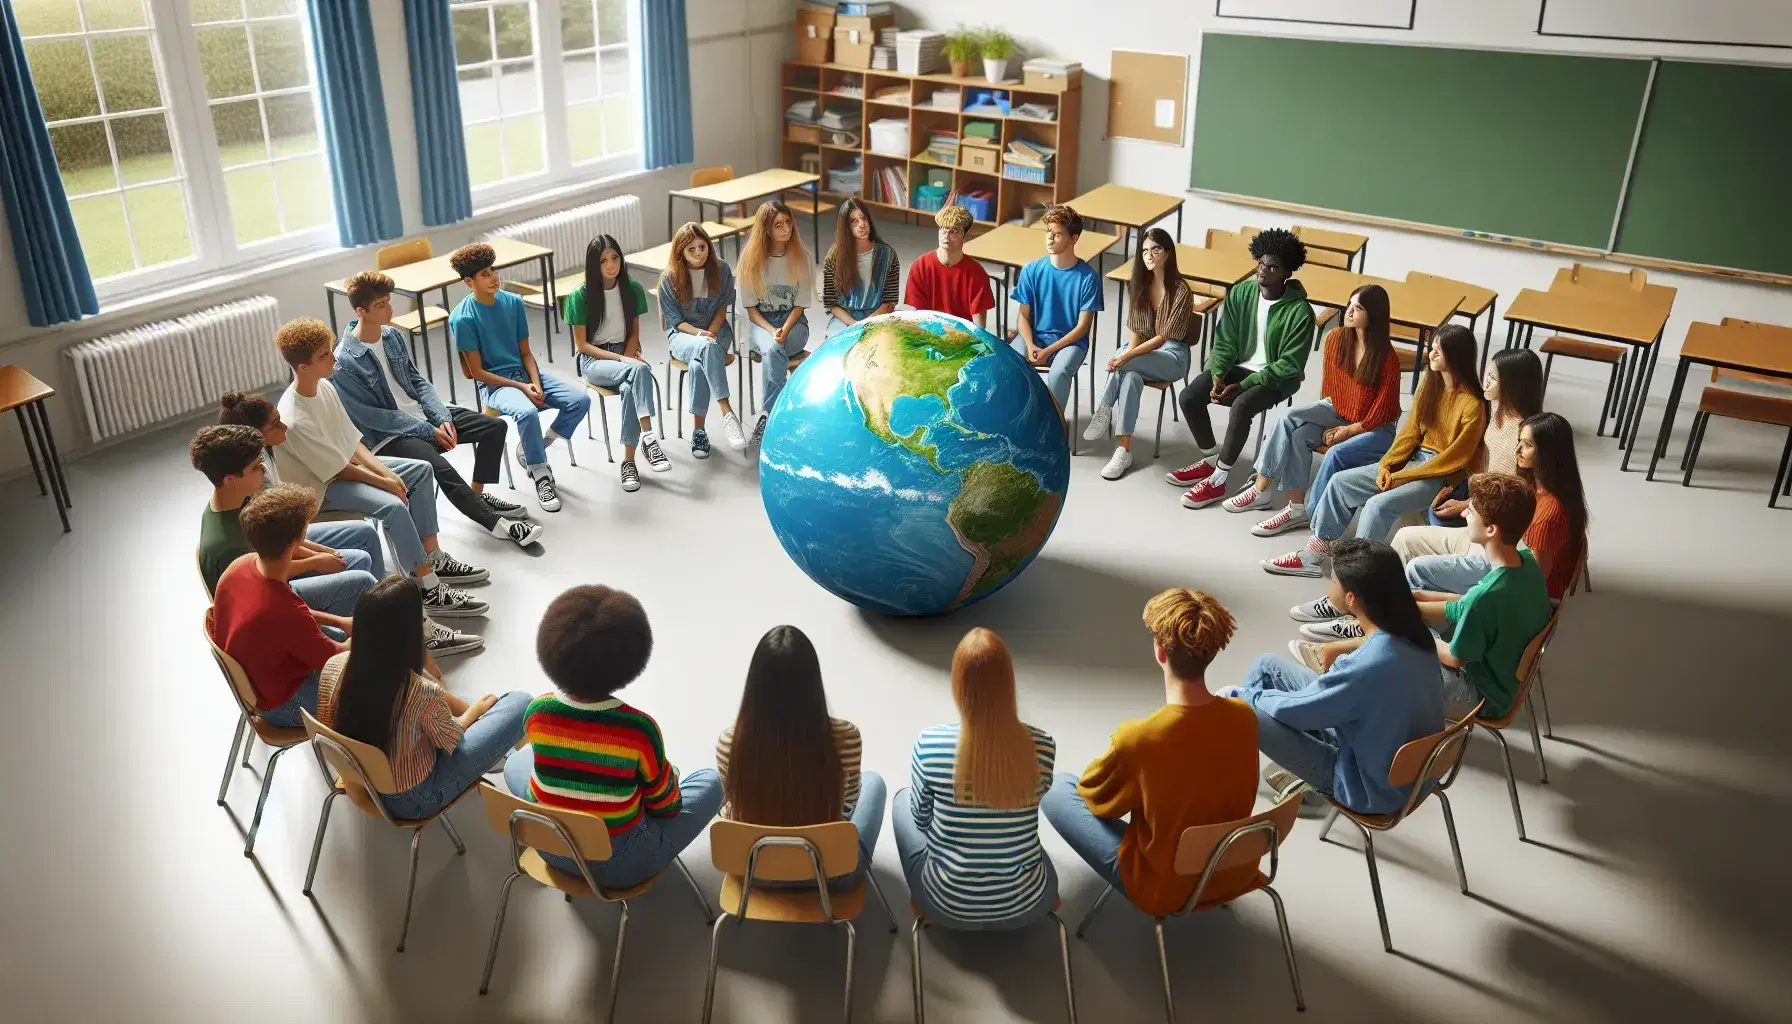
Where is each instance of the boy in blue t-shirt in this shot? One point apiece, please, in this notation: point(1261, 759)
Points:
point(1059, 295)
point(491, 330)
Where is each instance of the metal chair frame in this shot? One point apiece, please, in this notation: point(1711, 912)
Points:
point(921, 921)
point(753, 357)
point(246, 718)
point(1528, 684)
point(603, 412)
point(684, 369)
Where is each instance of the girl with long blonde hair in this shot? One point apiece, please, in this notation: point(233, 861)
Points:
point(696, 292)
point(776, 287)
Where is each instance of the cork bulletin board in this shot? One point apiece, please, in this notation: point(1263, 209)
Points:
point(1148, 96)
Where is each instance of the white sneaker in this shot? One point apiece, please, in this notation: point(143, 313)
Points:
point(631, 477)
point(737, 439)
point(1118, 463)
point(1290, 518)
point(1321, 610)
point(1337, 629)
point(1098, 424)
point(547, 495)
point(1307, 653)
point(442, 641)
point(445, 602)
point(654, 452)
point(1248, 500)
point(521, 532)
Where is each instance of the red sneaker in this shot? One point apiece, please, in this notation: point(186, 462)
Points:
point(1203, 494)
point(1191, 474)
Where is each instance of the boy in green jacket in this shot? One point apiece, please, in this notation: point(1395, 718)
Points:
point(1259, 356)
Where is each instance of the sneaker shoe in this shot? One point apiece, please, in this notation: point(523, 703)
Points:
point(1118, 464)
point(758, 431)
point(1248, 500)
point(1280, 780)
point(1294, 563)
point(631, 477)
point(654, 452)
point(445, 602)
point(455, 571)
point(521, 532)
point(505, 509)
point(1203, 494)
point(1337, 629)
point(442, 641)
point(1307, 653)
point(731, 432)
point(1098, 424)
point(546, 494)
point(1321, 610)
point(1191, 474)
point(1290, 518)
point(699, 443)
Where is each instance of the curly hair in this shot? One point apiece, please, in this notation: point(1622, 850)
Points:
point(1066, 218)
point(469, 260)
point(367, 286)
point(1503, 501)
point(224, 451)
point(593, 641)
point(1191, 627)
point(954, 218)
point(1284, 245)
point(275, 518)
point(245, 409)
point(300, 340)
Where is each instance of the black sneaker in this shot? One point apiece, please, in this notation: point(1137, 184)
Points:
point(654, 452)
point(521, 532)
point(455, 571)
point(758, 431)
point(631, 477)
point(442, 641)
point(546, 494)
point(445, 602)
point(699, 443)
point(505, 509)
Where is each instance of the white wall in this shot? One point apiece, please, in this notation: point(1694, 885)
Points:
point(735, 49)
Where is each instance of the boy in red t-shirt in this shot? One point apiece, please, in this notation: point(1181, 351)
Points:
point(944, 280)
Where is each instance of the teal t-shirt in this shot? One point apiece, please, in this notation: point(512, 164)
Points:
point(1494, 622)
point(496, 332)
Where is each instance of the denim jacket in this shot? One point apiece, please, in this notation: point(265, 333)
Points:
point(368, 398)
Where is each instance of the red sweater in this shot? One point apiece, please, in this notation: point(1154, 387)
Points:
point(1372, 406)
point(1549, 539)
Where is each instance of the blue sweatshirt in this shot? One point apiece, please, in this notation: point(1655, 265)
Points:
point(1375, 700)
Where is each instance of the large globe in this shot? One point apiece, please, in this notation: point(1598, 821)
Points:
point(913, 464)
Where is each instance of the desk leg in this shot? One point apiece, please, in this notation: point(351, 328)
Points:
point(1178, 223)
point(330, 301)
point(429, 363)
point(30, 449)
point(547, 309)
point(668, 216)
point(1639, 401)
point(1094, 344)
point(1667, 418)
point(1121, 310)
point(39, 417)
point(1486, 346)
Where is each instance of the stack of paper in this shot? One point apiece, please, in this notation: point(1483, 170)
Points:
point(1055, 68)
point(942, 147)
point(920, 52)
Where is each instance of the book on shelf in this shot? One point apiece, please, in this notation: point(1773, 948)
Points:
point(1036, 111)
point(898, 95)
point(890, 186)
point(1029, 154)
point(942, 147)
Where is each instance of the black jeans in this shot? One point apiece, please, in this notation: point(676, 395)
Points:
point(1246, 406)
point(486, 435)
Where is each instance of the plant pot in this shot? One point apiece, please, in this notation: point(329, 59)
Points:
point(961, 68)
point(994, 69)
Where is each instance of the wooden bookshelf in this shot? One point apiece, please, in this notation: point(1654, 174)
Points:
point(888, 94)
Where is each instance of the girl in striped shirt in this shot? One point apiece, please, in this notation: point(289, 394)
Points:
point(968, 828)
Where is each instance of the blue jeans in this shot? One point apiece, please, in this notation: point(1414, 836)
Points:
point(336, 593)
point(1065, 363)
point(484, 743)
point(1354, 492)
point(708, 360)
point(1168, 362)
point(570, 401)
point(286, 716)
point(649, 846)
point(1096, 840)
point(1361, 450)
point(632, 381)
point(1459, 493)
point(1310, 755)
point(911, 846)
point(406, 522)
point(1448, 574)
point(774, 359)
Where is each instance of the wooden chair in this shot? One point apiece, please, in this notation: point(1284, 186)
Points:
point(583, 837)
point(403, 254)
point(921, 921)
point(1780, 386)
point(1530, 670)
point(1433, 759)
point(715, 175)
point(363, 773)
point(1591, 351)
point(747, 854)
point(600, 393)
point(1206, 849)
point(1166, 390)
point(279, 738)
point(1767, 400)
point(466, 370)
point(752, 360)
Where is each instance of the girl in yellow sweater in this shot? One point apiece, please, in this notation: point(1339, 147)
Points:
point(1436, 444)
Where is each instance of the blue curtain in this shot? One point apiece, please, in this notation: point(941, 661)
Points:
point(435, 101)
point(354, 108)
point(52, 268)
point(665, 84)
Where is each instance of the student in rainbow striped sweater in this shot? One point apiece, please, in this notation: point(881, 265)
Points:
point(588, 751)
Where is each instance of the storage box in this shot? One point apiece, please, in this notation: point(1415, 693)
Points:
point(1044, 81)
point(983, 159)
point(854, 37)
point(889, 137)
point(978, 203)
point(804, 133)
point(814, 31)
point(1032, 175)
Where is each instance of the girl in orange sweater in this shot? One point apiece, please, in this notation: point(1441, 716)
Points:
point(1436, 443)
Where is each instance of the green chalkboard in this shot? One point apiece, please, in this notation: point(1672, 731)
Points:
point(1527, 145)
point(1714, 169)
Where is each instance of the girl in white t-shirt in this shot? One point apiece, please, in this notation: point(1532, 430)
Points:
point(776, 287)
point(604, 316)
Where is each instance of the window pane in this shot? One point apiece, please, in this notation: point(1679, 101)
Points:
point(484, 154)
point(478, 94)
point(252, 206)
point(216, 10)
point(280, 55)
point(83, 157)
point(144, 151)
point(581, 78)
point(614, 69)
point(522, 146)
point(292, 126)
point(518, 90)
point(619, 125)
point(267, 8)
point(584, 132)
point(127, 72)
point(472, 36)
point(107, 13)
point(240, 139)
point(44, 17)
point(304, 192)
point(159, 222)
point(63, 78)
point(612, 21)
point(516, 32)
point(105, 238)
point(578, 31)
point(224, 54)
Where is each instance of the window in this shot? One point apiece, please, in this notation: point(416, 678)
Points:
point(500, 88)
point(600, 102)
point(186, 132)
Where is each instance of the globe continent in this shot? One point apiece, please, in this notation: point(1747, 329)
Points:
point(913, 464)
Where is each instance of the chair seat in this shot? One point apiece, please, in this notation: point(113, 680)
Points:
point(1581, 348)
point(276, 735)
point(1205, 304)
point(1161, 385)
point(357, 795)
point(411, 322)
point(792, 906)
point(605, 392)
point(1325, 316)
point(679, 364)
point(739, 223)
point(1746, 405)
point(1402, 332)
point(532, 864)
point(808, 205)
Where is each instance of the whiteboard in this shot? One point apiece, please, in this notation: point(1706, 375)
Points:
point(1724, 22)
point(1363, 13)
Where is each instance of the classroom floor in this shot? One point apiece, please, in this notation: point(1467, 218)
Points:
point(1647, 892)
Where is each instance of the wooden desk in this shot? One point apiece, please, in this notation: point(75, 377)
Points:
point(1608, 288)
point(1350, 245)
point(1011, 247)
point(1220, 267)
point(1132, 209)
point(1752, 349)
point(24, 396)
point(743, 190)
point(1424, 307)
point(1476, 300)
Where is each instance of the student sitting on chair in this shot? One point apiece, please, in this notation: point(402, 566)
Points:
point(1436, 444)
point(696, 292)
point(604, 315)
point(1355, 416)
point(943, 280)
point(256, 410)
point(1338, 730)
point(323, 451)
point(380, 694)
point(590, 752)
point(1058, 295)
point(1259, 356)
point(967, 829)
point(861, 274)
point(491, 328)
point(777, 284)
point(1514, 390)
point(786, 762)
point(1192, 762)
point(401, 416)
point(1159, 320)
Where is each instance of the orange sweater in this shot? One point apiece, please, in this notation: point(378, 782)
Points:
point(1461, 417)
point(1369, 405)
point(1549, 539)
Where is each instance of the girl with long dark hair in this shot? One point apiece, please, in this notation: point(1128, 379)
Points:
point(1514, 391)
point(604, 313)
point(1159, 319)
point(696, 292)
point(859, 278)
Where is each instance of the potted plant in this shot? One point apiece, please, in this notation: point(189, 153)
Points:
point(961, 49)
point(996, 46)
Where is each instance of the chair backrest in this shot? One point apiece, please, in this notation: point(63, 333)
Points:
point(1207, 849)
point(466, 364)
point(574, 834)
point(353, 760)
point(199, 564)
point(1430, 759)
point(1328, 258)
point(710, 175)
point(1533, 653)
point(776, 854)
point(1227, 241)
point(414, 250)
point(234, 674)
point(1611, 280)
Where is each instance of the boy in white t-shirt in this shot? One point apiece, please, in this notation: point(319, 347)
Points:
point(323, 451)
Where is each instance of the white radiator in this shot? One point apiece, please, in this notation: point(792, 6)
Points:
point(569, 231)
point(146, 375)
